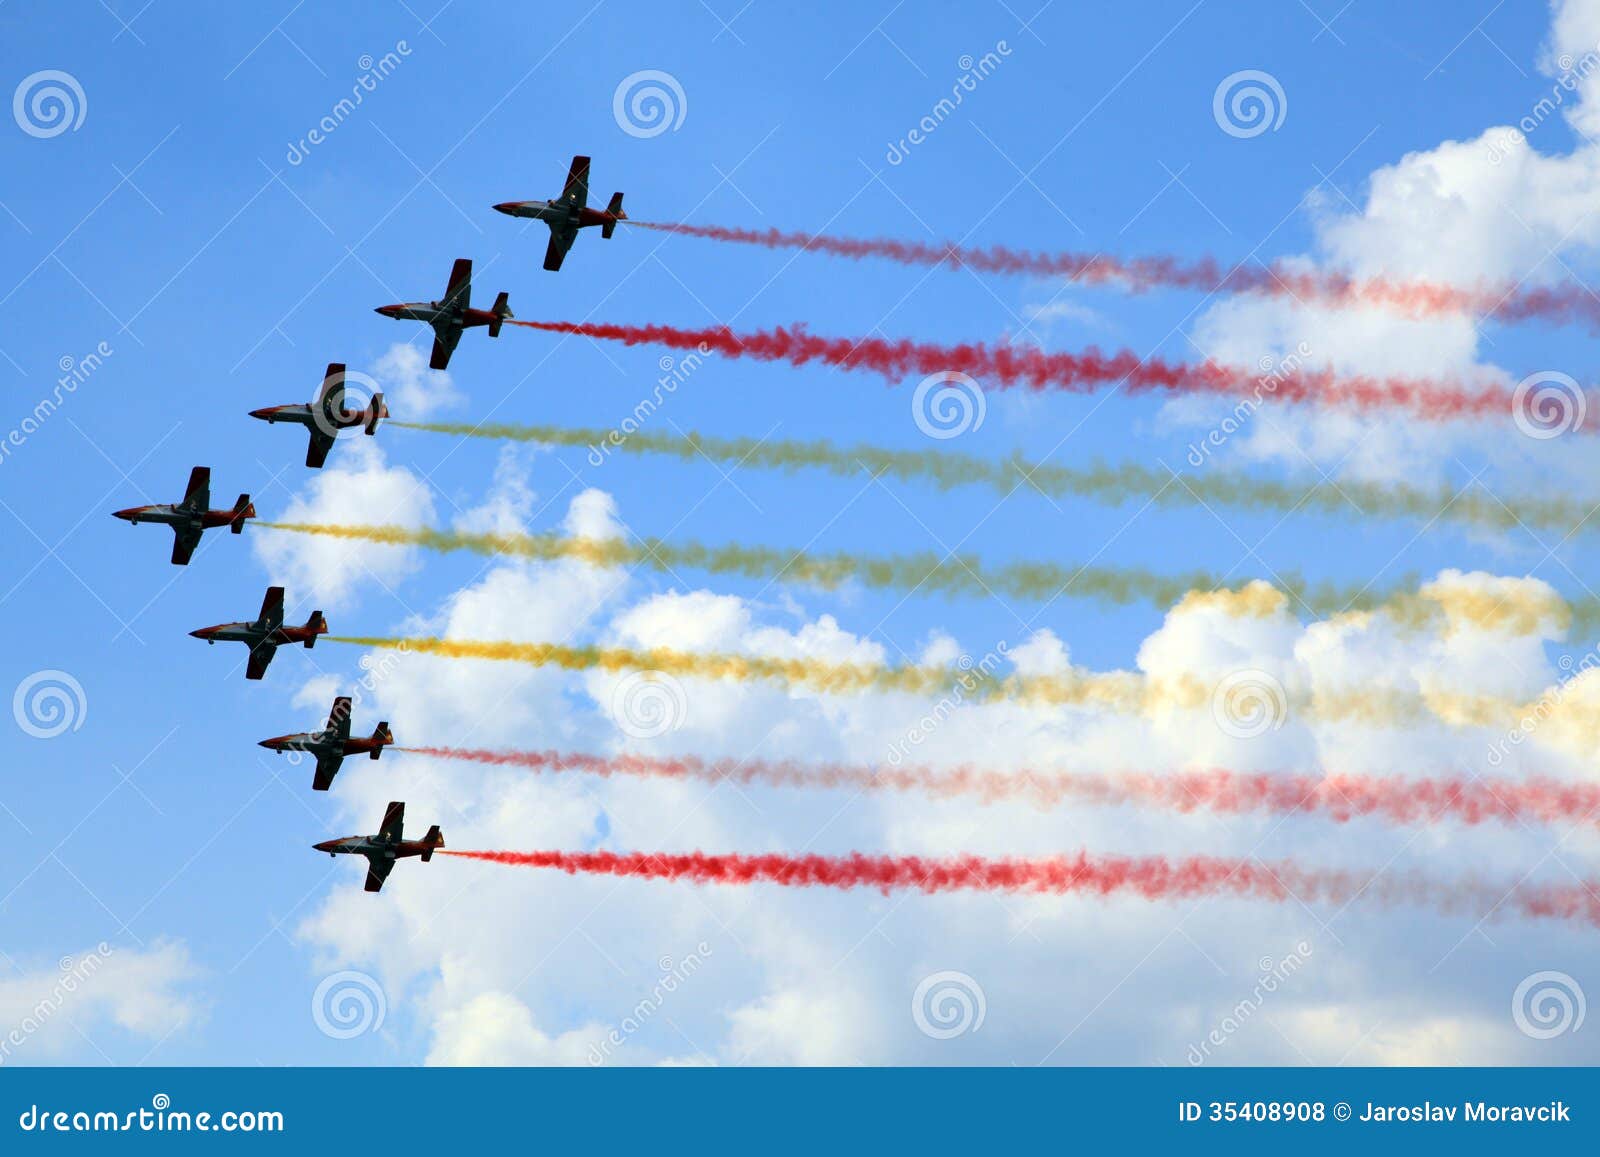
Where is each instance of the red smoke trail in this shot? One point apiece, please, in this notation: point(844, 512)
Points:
point(1150, 877)
point(1084, 372)
point(1339, 798)
point(1414, 299)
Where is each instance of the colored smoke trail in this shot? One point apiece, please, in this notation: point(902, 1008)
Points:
point(948, 469)
point(1335, 797)
point(1413, 299)
point(1510, 610)
point(1005, 366)
point(1081, 873)
point(1257, 702)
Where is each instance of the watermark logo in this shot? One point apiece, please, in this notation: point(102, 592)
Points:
point(1548, 404)
point(373, 72)
point(974, 70)
point(1548, 1004)
point(348, 1004)
point(1248, 103)
point(648, 704)
point(49, 703)
point(674, 974)
point(1272, 974)
point(948, 404)
point(1249, 703)
point(49, 103)
point(948, 1004)
point(648, 103)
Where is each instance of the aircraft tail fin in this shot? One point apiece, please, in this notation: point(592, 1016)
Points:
point(381, 734)
point(242, 510)
point(375, 411)
point(317, 625)
point(434, 839)
point(615, 209)
point(501, 311)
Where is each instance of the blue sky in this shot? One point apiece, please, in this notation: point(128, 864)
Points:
point(172, 227)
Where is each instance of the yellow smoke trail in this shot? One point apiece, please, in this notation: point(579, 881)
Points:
point(1508, 608)
point(1243, 704)
point(1111, 484)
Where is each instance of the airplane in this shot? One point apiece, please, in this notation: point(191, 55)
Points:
point(333, 743)
point(383, 849)
point(326, 416)
point(191, 518)
point(452, 314)
point(266, 634)
point(569, 213)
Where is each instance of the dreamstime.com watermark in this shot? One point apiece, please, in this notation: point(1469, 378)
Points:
point(1248, 103)
point(970, 675)
point(1544, 707)
point(1273, 974)
point(375, 670)
point(648, 704)
point(1274, 372)
point(48, 103)
point(1574, 70)
point(373, 73)
point(674, 373)
point(948, 1004)
point(973, 73)
point(49, 703)
point(648, 103)
point(674, 974)
point(76, 971)
point(74, 373)
point(348, 1004)
point(1548, 1004)
point(948, 404)
point(160, 1117)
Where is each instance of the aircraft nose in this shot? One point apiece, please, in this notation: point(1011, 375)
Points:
point(264, 413)
point(325, 845)
point(203, 633)
point(507, 207)
point(387, 310)
point(125, 514)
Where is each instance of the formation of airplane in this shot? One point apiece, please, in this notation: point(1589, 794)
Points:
point(324, 418)
point(265, 634)
point(568, 213)
point(451, 315)
point(330, 746)
point(388, 846)
point(192, 517)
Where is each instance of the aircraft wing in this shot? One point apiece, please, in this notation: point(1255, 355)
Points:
point(317, 450)
point(272, 609)
point(260, 659)
point(328, 766)
point(198, 495)
point(560, 241)
point(339, 719)
point(445, 341)
point(458, 294)
point(183, 544)
point(330, 395)
point(576, 190)
point(394, 818)
point(378, 869)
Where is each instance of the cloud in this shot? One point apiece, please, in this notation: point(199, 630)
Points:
point(521, 967)
point(413, 392)
point(356, 486)
point(78, 1009)
point(1496, 208)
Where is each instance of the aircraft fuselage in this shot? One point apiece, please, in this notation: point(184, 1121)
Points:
point(168, 514)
